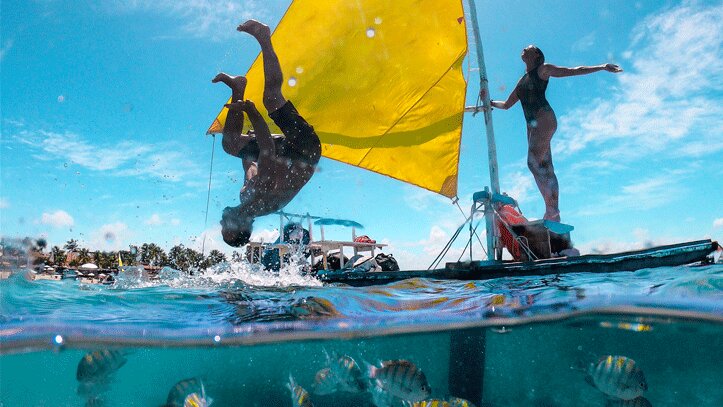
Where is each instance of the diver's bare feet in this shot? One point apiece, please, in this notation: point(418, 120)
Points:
point(236, 83)
point(256, 29)
point(243, 105)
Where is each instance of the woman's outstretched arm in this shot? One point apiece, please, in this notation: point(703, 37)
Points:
point(546, 71)
point(511, 100)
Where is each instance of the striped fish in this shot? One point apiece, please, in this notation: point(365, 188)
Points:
point(400, 378)
point(382, 398)
point(450, 402)
point(636, 402)
point(347, 373)
point(197, 400)
point(299, 396)
point(324, 382)
point(429, 403)
point(98, 365)
point(181, 390)
point(618, 377)
point(459, 402)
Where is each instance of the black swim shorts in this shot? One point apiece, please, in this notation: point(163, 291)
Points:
point(302, 143)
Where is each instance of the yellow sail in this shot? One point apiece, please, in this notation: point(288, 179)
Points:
point(381, 82)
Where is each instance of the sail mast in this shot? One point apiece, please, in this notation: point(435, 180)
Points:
point(491, 146)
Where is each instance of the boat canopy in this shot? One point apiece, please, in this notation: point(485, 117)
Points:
point(339, 222)
point(382, 85)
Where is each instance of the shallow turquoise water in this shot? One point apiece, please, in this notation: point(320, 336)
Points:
point(518, 341)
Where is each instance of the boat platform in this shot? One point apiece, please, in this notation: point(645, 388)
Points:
point(660, 256)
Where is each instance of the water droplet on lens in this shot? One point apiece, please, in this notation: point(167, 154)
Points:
point(378, 20)
point(109, 236)
point(61, 99)
point(370, 32)
point(299, 69)
point(292, 81)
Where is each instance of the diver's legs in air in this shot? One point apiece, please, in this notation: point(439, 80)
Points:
point(273, 78)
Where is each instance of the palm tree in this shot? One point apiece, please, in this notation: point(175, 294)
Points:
point(84, 256)
point(153, 255)
point(177, 257)
point(57, 256)
point(213, 258)
point(71, 245)
point(195, 259)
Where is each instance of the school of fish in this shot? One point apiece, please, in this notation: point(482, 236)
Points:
point(388, 383)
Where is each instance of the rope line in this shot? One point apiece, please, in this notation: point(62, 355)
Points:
point(208, 197)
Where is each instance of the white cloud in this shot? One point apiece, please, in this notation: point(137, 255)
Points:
point(718, 223)
point(642, 195)
point(154, 220)
point(126, 158)
point(519, 185)
point(420, 199)
point(112, 236)
point(57, 219)
point(617, 246)
point(212, 19)
point(584, 43)
point(666, 98)
point(4, 203)
point(420, 254)
point(7, 45)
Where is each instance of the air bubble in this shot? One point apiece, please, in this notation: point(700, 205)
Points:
point(378, 20)
point(61, 99)
point(299, 69)
point(533, 124)
point(292, 81)
point(58, 339)
point(217, 339)
point(370, 32)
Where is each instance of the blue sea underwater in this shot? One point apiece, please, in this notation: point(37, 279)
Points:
point(237, 336)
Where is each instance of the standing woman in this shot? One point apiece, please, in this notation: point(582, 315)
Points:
point(541, 120)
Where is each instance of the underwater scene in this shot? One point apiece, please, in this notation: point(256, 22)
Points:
point(234, 336)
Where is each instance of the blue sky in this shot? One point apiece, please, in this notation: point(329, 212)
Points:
point(105, 105)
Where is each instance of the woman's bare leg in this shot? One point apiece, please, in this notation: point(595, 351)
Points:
point(273, 78)
point(539, 160)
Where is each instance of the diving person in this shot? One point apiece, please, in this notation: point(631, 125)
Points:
point(541, 120)
point(276, 168)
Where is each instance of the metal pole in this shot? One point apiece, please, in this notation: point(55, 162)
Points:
point(491, 146)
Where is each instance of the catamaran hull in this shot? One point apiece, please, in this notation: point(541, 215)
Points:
point(661, 256)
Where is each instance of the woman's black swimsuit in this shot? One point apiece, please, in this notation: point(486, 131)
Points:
point(531, 92)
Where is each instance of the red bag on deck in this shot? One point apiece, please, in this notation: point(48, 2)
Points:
point(511, 217)
point(364, 239)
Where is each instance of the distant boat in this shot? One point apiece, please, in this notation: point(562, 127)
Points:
point(70, 274)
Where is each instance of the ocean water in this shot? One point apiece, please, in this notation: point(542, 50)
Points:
point(243, 332)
